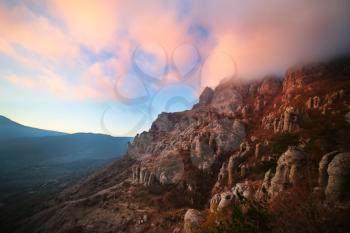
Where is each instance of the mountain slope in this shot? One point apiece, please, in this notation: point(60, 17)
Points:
point(10, 129)
point(258, 149)
point(36, 164)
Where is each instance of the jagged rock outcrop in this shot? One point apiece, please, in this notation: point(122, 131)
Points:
point(334, 177)
point(289, 170)
point(270, 86)
point(143, 176)
point(322, 170)
point(266, 184)
point(226, 100)
point(206, 96)
point(232, 169)
point(339, 178)
point(313, 102)
point(193, 220)
point(224, 200)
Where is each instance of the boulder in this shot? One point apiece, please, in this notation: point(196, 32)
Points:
point(289, 170)
point(322, 169)
point(226, 200)
point(192, 221)
point(338, 186)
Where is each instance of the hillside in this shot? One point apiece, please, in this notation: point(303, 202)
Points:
point(36, 164)
point(266, 156)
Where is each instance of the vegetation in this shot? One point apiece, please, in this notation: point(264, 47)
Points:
point(247, 216)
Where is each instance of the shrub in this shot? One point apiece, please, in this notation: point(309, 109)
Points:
point(299, 211)
point(248, 216)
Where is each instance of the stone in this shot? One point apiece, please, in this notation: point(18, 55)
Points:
point(226, 199)
point(258, 104)
point(243, 171)
point(309, 103)
point(270, 86)
point(265, 185)
point(253, 138)
point(231, 171)
point(193, 220)
point(243, 189)
point(214, 202)
point(258, 150)
point(226, 99)
point(289, 170)
point(322, 170)
point(201, 151)
point(316, 102)
point(206, 96)
point(145, 218)
point(338, 188)
point(289, 120)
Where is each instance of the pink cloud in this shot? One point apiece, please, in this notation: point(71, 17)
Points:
point(20, 27)
point(91, 23)
point(261, 38)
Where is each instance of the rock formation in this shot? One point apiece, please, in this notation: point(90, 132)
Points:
point(289, 170)
point(334, 176)
point(192, 221)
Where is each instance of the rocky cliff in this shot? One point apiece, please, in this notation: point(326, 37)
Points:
point(256, 141)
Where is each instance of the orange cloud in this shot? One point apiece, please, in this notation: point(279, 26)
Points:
point(260, 37)
point(92, 23)
point(36, 34)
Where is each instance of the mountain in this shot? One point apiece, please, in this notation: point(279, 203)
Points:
point(265, 156)
point(36, 164)
point(10, 129)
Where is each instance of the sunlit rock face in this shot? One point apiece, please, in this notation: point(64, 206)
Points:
point(206, 132)
point(226, 100)
point(289, 170)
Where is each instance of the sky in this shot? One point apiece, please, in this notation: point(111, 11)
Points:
point(111, 66)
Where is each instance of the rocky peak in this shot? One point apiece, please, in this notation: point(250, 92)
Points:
point(206, 96)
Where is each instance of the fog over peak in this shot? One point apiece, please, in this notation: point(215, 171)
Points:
point(268, 37)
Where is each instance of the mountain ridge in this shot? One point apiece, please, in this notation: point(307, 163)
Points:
point(10, 129)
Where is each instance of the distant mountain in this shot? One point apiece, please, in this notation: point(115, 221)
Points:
point(10, 129)
point(36, 163)
point(20, 153)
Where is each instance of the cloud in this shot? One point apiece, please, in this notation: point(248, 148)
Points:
point(54, 38)
point(92, 23)
point(24, 32)
point(268, 37)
